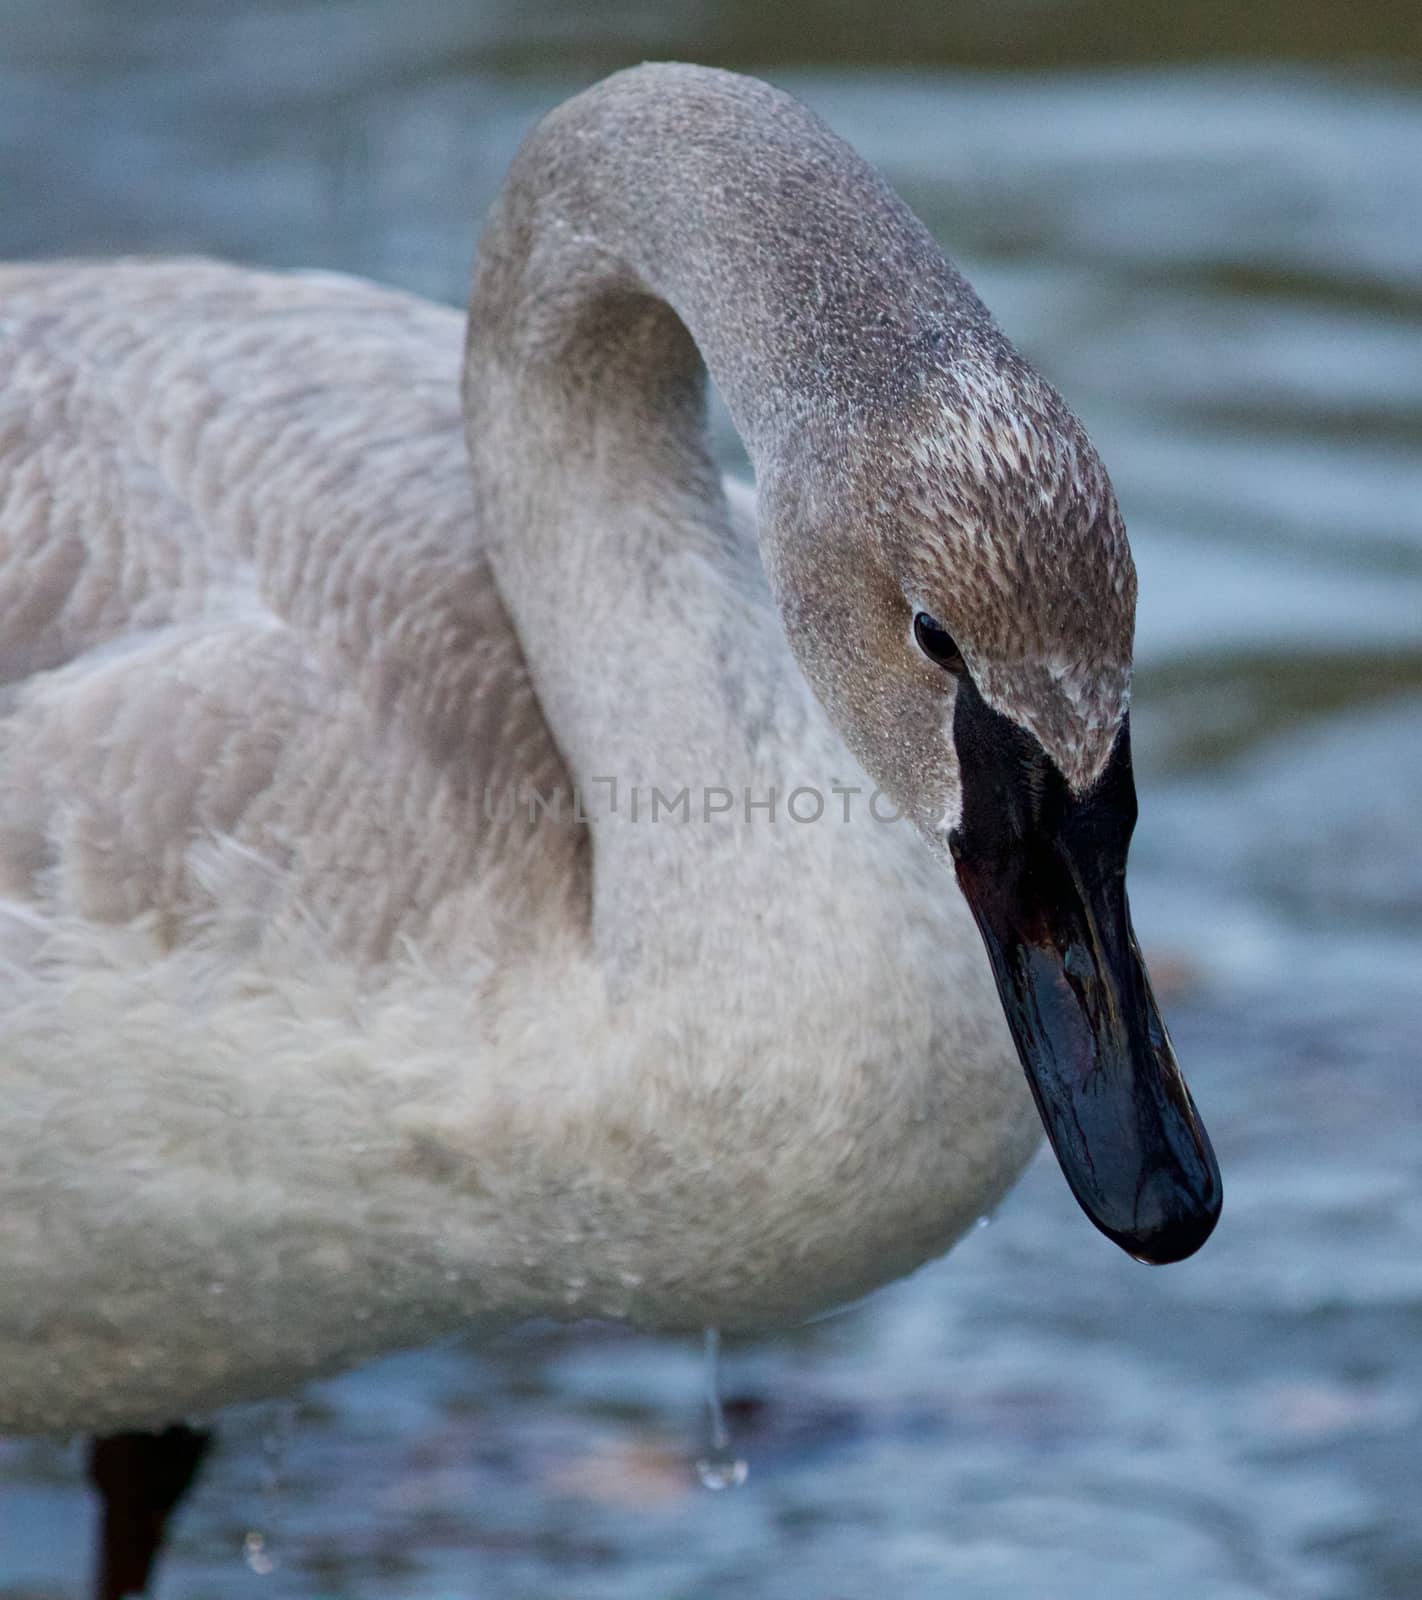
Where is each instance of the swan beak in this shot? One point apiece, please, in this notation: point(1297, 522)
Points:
point(1044, 872)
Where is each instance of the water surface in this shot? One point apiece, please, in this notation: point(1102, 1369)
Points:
point(1218, 260)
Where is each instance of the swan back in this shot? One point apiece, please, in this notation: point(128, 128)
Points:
point(244, 596)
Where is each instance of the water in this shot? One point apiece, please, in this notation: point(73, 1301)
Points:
point(256, 1552)
point(1212, 245)
point(260, 1544)
point(718, 1466)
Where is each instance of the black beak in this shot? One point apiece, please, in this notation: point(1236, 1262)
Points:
point(1044, 871)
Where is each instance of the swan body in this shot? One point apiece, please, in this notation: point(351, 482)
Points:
point(344, 1003)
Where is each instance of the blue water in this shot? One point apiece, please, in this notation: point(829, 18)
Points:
point(1221, 266)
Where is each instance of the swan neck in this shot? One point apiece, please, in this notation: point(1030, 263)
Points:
point(669, 222)
point(672, 215)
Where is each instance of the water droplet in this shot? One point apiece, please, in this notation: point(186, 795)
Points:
point(256, 1554)
point(724, 1471)
point(276, 1441)
point(718, 1466)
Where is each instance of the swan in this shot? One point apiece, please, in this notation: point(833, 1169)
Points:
point(465, 861)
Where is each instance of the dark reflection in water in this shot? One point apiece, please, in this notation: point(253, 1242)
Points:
point(1216, 254)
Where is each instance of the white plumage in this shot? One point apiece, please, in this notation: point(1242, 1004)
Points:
point(306, 1054)
point(311, 1045)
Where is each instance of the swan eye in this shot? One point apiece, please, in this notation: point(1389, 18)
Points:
point(937, 643)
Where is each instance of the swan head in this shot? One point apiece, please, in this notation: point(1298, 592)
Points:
point(957, 585)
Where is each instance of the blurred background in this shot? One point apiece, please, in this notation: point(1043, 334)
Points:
point(1205, 223)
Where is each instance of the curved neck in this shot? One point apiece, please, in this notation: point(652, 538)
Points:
point(807, 285)
point(667, 216)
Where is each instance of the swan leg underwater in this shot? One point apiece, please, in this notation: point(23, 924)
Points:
point(313, 1047)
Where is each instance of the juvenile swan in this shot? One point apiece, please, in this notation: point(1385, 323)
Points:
point(446, 855)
